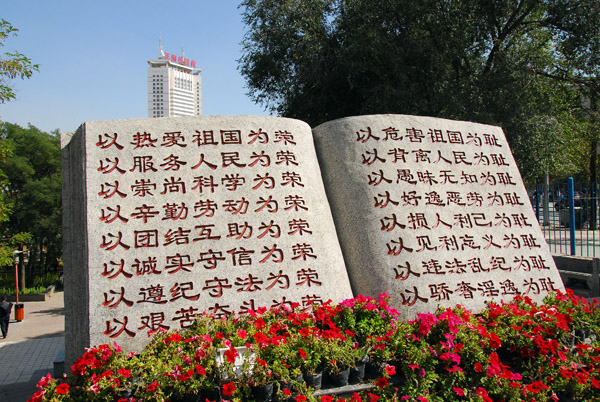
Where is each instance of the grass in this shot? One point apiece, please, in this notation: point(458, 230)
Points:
point(40, 284)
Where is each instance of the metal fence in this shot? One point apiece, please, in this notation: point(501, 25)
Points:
point(568, 216)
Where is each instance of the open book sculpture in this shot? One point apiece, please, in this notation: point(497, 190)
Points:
point(166, 218)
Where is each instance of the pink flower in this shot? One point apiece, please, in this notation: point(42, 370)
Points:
point(37, 397)
point(242, 334)
point(44, 381)
point(459, 391)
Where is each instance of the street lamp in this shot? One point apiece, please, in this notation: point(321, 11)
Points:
point(18, 307)
point(17, 252)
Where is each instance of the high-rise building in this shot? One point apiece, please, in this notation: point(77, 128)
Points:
point(174, 86)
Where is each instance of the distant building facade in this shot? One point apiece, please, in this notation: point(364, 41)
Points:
point(174, 86)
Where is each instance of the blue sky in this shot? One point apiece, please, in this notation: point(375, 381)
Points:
point(93, 57)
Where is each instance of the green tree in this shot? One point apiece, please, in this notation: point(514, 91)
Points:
point(474, 60)
point(12, 64)
point(33, 171)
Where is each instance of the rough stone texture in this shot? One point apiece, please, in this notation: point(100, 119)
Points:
point(432, 212)
point(166, 218)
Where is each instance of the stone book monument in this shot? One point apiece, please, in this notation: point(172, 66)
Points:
point(167, 218)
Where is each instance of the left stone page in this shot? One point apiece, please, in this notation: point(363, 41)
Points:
point(166, 218)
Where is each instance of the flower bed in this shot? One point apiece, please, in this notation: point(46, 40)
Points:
point(516, 351)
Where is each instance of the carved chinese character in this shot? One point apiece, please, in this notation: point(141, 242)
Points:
point(261, 159)
point(108, 141)
point(180, 290)
point(143, 164)
point(216, 286)
point(369, 158)
point(146, 267)
point(112, 302)
point(145, 238)
point(173, 138)
point(206, 137)
point(210, 258)
point(154, 322)
point(144, 140)
point(144, 213)
point(112, 269)
point(231, 137)
point(205, 208)
point(364, 135)
point(259, 136)
point(178, 262)
point(110, 167)
point(108, 190)
point(114, 331)
point(440, 291)
point(112, 215)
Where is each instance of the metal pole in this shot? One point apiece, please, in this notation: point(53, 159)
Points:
point(546, 205)
point(16, 252)
point(16, 280)
point(571, 200)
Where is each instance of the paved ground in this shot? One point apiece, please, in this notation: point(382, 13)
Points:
point(29, 350)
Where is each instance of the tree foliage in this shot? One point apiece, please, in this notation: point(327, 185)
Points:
point(513, 63)
point(12, 64)
point(33, 170)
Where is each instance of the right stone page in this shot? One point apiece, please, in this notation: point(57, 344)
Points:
point(432, 212)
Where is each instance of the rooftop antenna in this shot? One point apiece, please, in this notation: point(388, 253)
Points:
point(182, 54)
point(160, 48)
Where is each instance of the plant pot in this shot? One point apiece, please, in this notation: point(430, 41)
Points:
point(212, 394)
point(339, 379)
point(373, 370)
point(262, 393)
point(357, 373)
point(314, 380)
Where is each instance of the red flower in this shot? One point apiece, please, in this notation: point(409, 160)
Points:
point(200, 369)
point(355, 397)
point(62, 389)
point(287, 392)
point(124, 372)
point(302, 353)
point(229, 389)
point(390, 370)
point(478, 367)
point(326, 398)
point(231, 354)
point(382, 382)
point(373, 397)
point(484, 395)
point(152, 387)
point(300, 398)
point(459, 391)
